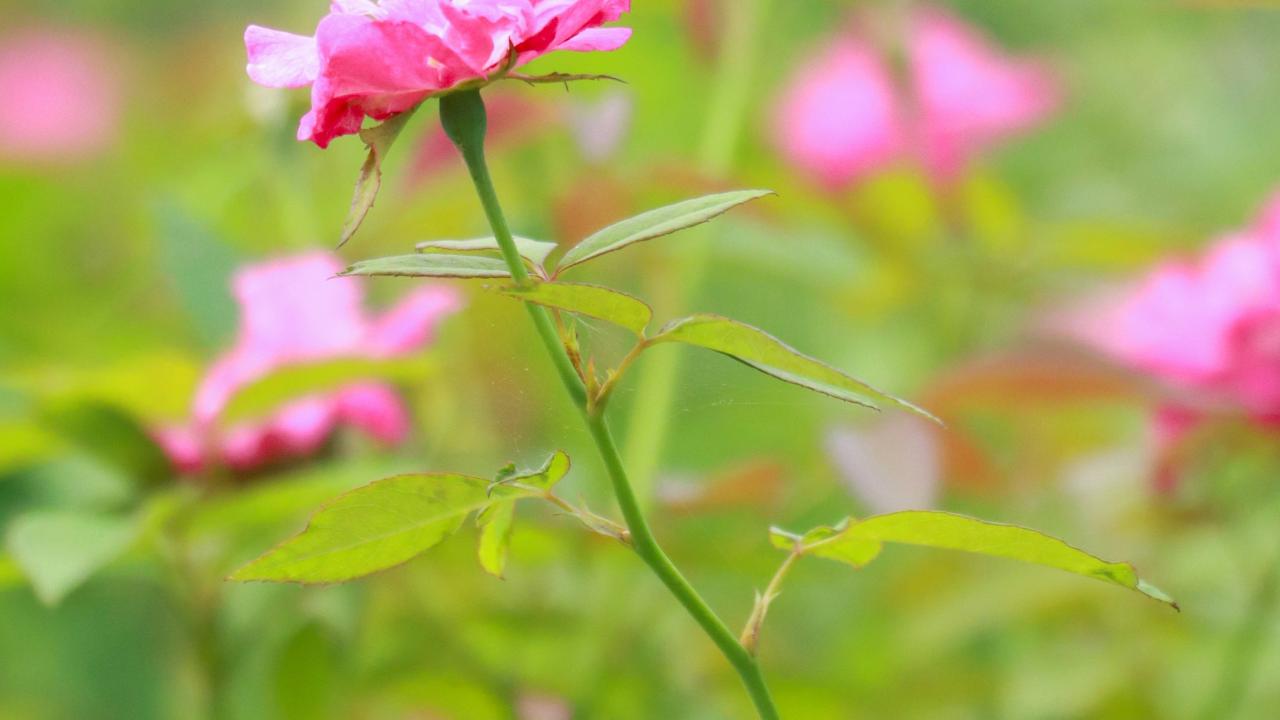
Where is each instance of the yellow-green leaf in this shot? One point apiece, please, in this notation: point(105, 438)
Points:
point(534, 252)
point(545, 477)
point(957, 532)
point(655, 224)
point(495, 524)
point(379, 140)
point(769, 355)
point(590, 300)
point(372, 528)
point(830, 543)
point(435, 265)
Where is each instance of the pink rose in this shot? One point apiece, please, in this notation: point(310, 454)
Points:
point(1211, 325)
point(294, 310)
point(376, 59)
point(845, 115)
point(61, 93)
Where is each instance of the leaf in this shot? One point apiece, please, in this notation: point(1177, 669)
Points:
point(590, 300)
point(534, 252)
point(495, 521)
point(956, 532)
point(71, 481)
point(283, 502)
point(379, 140)
point(544, 478)
point(59, 550)
point(112, 436)
point(296, 381)
point(201, 263)
point(558, 77)
point(655, 224)
point(771, 356)
point(373, 528)
point(495, 524)
point(437, 265)
point(829, 542)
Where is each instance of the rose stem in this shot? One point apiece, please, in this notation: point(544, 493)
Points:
point(464, 119)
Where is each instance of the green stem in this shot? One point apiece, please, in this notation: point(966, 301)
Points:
point(463, 117)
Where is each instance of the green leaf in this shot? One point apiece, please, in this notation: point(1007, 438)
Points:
point(534, 252)
point(373, 528)
point(495, 524)
point(379, 140)
point(437, 265)
point(829, 542)
point(496, 520)
point(297, 381)
point(283, 502)
point(70, 481)
point(59, 550)
point(590, 300)
point(771, 356)
point(111, 435)
point(655, 224)
point(545, 477)
point(557, 78)
point(204, 262)
point(957, 532)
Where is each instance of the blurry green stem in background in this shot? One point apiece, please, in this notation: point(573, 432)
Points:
point(464, 119)
point(731, 94)
point(1245, 648)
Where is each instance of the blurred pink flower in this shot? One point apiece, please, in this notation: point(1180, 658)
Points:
point(600, 126)
point(293, 310)
point(61, 95)
point(840, 119)
point(968, 94)
point(1211, 325)
point(846, 115)
point(377, 59)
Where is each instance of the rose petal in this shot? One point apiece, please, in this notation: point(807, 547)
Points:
point(280, 59)
point(411, 324)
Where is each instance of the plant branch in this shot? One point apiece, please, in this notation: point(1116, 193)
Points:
point(602, 396)
point(751, 633)
point(463, 116)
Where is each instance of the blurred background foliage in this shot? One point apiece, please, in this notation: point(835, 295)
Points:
point(115, 268)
